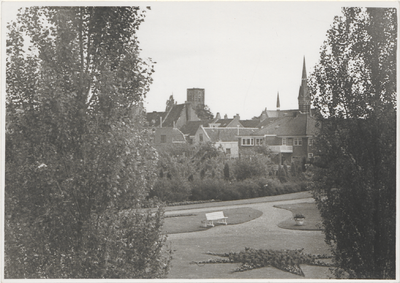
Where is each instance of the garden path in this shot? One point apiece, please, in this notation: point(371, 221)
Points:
point(260, 233)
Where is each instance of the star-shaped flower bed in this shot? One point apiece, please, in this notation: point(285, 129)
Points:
point(286, 260)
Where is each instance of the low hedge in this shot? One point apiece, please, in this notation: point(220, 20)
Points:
point(175, 192)
point(249, 188)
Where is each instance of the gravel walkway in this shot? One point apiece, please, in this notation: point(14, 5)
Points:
point(261, 232)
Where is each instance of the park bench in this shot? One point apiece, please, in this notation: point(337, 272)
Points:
point(214, 216)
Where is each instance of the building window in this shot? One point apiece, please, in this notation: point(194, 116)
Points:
point(310, 155)
point(297, 142)
point(310, 141)
point(163, 138)
point(258, 141)
point(201, 137)
point(228, 151)
point(283, 141)
point(247, 141)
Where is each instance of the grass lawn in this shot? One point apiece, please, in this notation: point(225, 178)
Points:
point(312, 222)
point(183, 223)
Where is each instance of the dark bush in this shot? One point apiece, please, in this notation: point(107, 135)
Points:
point(304, 186)
point(249, 168)
point(282, 175)
point(226, 171)
point(230, 192)
point(170, 190)
point(247, 188)
point(206, 189)
point(218, 189)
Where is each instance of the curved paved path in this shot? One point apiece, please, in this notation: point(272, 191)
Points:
point(261, 232)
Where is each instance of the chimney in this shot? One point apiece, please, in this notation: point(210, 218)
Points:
point(218, 116)
point(226, 116)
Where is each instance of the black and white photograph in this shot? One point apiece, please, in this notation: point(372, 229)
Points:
point(200, 141)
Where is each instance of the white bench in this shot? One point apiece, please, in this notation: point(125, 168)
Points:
point(214, 216)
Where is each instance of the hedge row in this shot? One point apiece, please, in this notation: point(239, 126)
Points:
point(172, 191)
point(249, 188)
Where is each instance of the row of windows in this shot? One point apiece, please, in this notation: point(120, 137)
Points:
point(290, 141)
point(250, 141)
point(247, 141)
point(285, 141)
point(258, 141)
point(296, 141)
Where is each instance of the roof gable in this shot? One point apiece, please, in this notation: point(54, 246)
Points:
point(173, 115)
point(223, 122)
point(300, 125)
point(191, 127)
point(173, 133)
point(250, 123)
point(226, 134)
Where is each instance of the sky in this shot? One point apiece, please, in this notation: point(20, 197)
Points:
point(242, 53)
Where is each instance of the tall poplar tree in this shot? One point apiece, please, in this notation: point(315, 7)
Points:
point(354, 89)
point(78, 163)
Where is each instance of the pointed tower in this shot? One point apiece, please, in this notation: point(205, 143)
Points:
point(278, 104)
point(263, 115)
point(304, 95)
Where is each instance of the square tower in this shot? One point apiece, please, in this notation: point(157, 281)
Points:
point(195, 96)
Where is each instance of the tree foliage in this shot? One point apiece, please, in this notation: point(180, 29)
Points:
point(170, 103)
point(226, 172)
point(76, 154)
point(204, 112)
point(251, 167)
point(354, 88)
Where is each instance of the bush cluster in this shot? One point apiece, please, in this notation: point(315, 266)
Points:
point(202, 173)
point(182, 191)
point(249, 188)
point(170, 190)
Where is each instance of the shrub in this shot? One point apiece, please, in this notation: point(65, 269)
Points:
point(226, 172)
point(206, 189)
point(293, 169)
point(249, 168)
point(262, 186)
point(282, 174)
point(273, 187)
point(247, 188)
point(230, 192)
point(170, 190)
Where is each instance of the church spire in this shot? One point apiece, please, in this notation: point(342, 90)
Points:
point(304, 75)
point(304, 95)
point(278, 104)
